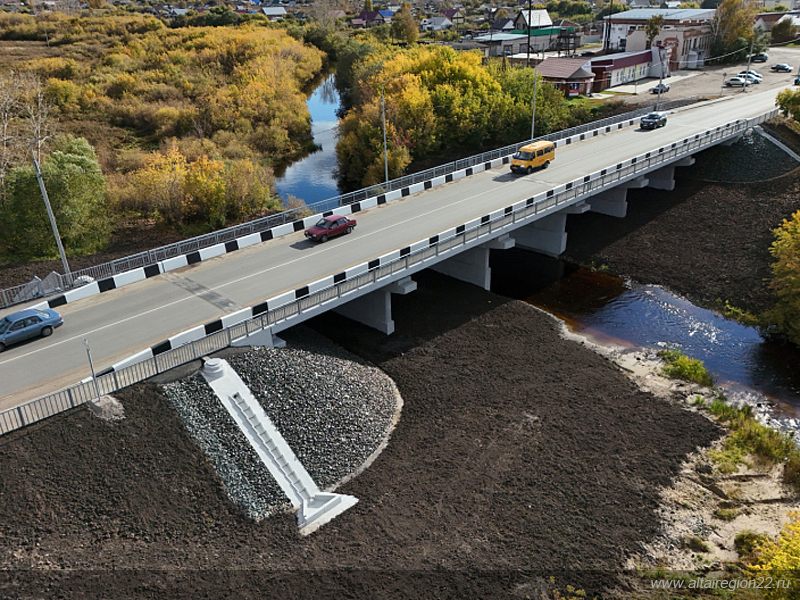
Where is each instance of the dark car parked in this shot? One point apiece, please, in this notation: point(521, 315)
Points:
point(330, 226)
point(660, 88)
point(653, 120)
point(781, 68)
point(27, 324)
point(760, 57)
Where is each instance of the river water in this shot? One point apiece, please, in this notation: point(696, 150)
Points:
point(604, 308)
point(312, 179)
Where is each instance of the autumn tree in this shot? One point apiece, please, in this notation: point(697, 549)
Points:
point(785, 281)
point(437, 103)
point(732, 29)
point(404, 26)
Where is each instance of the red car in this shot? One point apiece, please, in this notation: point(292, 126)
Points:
point(328, 227)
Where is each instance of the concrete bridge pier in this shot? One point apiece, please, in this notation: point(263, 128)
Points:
point(664, 178)
point(731, 141)
point(375, 308)
point(547, 235)
point(472, 266)
point(614, 202)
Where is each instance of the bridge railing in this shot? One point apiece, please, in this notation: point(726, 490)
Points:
point(58, 283)
point(522, 212)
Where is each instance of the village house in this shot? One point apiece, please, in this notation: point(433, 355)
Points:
point(686, 34)
point(628, 67)
point(572, 76)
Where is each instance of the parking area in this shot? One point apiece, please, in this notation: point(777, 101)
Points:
point(709, 80)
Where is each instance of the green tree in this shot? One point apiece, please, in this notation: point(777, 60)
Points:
point(368, 6)
point(786, 277)
point(732, 29)
point(653, 27)
point(76, 188)
point(501, 13)
point(789, 103)
point(783, 31)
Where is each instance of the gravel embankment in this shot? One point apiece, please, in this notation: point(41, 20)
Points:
point(333, 413)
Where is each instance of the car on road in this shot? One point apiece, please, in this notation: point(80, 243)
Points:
point(752, 78)
point(752, 72)
point(661, 87)
point(330, 226)
point(736, 82)
point(760, 57)
point(26, 324)
point(781, 68)
point(797, 80)
point(653, 120)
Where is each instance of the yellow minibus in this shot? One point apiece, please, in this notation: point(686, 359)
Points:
point(531, 156)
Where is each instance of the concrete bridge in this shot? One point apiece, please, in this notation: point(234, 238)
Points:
point(247, 290)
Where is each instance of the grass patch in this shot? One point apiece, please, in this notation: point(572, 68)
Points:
point(695, 544)
point(699, 401)
point(680, 366)
point(749, 437)
point(726, 514)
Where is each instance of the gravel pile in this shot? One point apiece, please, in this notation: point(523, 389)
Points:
point(334, 413)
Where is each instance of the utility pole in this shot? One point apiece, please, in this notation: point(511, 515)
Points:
point(533, 114)
point(50, 214)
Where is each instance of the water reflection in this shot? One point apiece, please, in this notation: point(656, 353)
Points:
point(312, 179)
point(609, 311)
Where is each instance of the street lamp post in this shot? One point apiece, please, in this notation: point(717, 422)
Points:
point(724, 76)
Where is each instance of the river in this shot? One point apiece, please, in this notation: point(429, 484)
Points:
point(602, 307)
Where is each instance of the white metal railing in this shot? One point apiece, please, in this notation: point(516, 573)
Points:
point(522, 213)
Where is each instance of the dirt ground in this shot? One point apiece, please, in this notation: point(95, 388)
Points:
point(519, 455)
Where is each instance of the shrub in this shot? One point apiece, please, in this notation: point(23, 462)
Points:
point(680, 366)
point(747, 542)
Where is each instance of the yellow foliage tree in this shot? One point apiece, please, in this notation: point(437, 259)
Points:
point(786, 277)
point(780, 560)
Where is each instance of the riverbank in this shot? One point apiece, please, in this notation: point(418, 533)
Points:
point(518, 455)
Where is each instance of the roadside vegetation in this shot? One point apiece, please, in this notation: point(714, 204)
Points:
point(182, 125)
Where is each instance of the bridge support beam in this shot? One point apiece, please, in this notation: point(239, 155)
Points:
point(472, 266)
point(264, 338)
point(375, 309)
point(614, 202)
point(664, 178)
point(546, 236)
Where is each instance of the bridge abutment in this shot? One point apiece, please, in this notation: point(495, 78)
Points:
point(375, 309)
